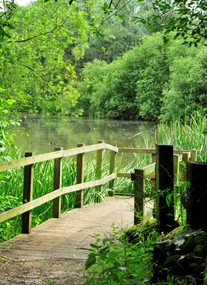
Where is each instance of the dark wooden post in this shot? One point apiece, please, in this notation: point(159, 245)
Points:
point(164, 187)
point(139, 186)
point(111, 170)
point(57, 185)
point(197, 195)
point(80, 177)
point(27, 195)
point(99, 161)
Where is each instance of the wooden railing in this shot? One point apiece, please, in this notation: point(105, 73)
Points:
point(30, 160)
point(143, 208)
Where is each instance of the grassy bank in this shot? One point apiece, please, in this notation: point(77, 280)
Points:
point(183, 136)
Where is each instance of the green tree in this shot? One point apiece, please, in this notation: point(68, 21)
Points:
point(119, 32)
point(187, 91)
point(36, 70)
point(131, 86)
point(187, 18)
point(154, 75)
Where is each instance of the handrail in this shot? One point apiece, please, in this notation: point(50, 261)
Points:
point(53, 155)
point(137, 150)
point(28, 163)
point(52, 195)
point(71, 152)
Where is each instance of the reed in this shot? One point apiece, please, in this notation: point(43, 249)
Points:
point(191, 135)
point(185, 136)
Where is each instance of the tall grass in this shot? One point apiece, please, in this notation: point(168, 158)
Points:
point(185, 136)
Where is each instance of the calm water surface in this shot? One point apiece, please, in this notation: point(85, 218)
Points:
point(42, 134)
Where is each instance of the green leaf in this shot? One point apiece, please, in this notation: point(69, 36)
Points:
point(90, 261)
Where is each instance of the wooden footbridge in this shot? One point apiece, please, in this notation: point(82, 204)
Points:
point(62, 236)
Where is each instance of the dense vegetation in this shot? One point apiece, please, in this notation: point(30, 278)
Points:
point(116, 59)
point(99, 59)
point(152, 81)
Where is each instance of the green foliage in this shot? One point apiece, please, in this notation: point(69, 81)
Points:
point(6, 121)
point(154, 74)
point(152, 81)
point(11, 227)
point(187, 91)
point(187, 18)
point(180, 257)
point(120, 32)
point(190, 135)
point(115, 259)
point(38, 59)
point(125, 89)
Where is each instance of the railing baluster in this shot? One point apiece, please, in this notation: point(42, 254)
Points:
point(112, 170)
point(27, 195)
point(80, 177)
point(139, 186)
point(57, 185)
point(99, 162)
point(185, 159)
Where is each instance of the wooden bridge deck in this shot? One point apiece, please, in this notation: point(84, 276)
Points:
point(61, 239)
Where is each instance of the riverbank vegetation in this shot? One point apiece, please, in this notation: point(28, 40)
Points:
point(182, 136)
point(83, 60)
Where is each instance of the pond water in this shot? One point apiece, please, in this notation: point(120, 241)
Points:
point(43, 134)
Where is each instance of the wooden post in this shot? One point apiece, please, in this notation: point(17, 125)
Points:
point(80, 177)
point(193, 155)
point(99, 162)
point(164, 187)
point(152, 180)
point(176, 168)
point(197, 195)
point(57, 185)
point(153, 157)
point(112, 170)
point(139, 186)
point(27, 195)
point(185, 159)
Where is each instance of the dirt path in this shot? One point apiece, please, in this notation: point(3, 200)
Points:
point(51, 254)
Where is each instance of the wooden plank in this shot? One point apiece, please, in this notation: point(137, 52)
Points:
point(111, 147)
point(50, 196)
point(99, 162)
point(149, 169)
point(89, 148)
point(80, 177)
point(57, 185)
point(139, 187)
point(137, 150)
point(179, 151)
point(112, 170)
point(176, 168)
point(194, 155)
point(185, 159)
point(126, 175)
point(29, 160)
point(71, 152)
point(53, 155)
point(27, 195)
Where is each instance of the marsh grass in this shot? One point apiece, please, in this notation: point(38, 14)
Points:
point(183, 136)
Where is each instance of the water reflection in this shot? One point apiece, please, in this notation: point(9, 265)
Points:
point(45, 133)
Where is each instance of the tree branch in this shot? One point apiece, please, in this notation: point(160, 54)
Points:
point(36, 36)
